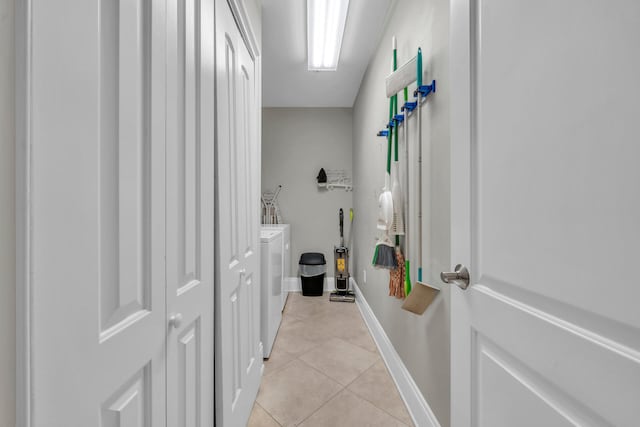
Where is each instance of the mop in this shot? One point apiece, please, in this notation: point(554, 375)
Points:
point(404, 279)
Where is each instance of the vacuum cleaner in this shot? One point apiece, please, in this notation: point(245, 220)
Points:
point(342, 292)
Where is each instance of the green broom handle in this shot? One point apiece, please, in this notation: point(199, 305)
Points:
point(395, 134)
point(395, 104)
point(419, 68)
point(395, 112)
point(389, 137)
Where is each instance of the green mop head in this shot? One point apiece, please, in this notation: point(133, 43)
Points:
point(385, 254)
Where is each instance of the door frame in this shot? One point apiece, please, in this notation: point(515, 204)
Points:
point(23, 211)
point(462, 129)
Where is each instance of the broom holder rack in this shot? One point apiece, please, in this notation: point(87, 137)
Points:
point(425, 90)
point(422, 91)
point(409, 106)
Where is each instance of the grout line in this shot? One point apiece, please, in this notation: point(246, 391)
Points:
point(330, 398)
point(320, 372)
point(282, 367)
point(384, 410)
point(268, 413)
point(323, 405)
point(374, 404)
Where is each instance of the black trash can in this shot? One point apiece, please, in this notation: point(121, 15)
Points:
point(312, 269)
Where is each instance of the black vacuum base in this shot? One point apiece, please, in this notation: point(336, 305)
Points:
point(342, 296)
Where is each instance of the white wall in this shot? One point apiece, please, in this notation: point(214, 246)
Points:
point(422, 341)
point(7, 218)
point(296, 143)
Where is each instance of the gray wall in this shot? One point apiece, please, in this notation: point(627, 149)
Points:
point(296, 143)
point(422, 341)
point(7, 218)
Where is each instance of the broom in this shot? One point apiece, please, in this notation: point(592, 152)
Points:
point(384, 254)
point(396, 287)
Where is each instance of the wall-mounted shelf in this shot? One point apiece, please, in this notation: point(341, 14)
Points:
point(337, 179)
point(335, 186)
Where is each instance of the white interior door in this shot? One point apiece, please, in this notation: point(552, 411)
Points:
point(95, 193)
point(238, 347)
point(546, 100)
point(190, 212)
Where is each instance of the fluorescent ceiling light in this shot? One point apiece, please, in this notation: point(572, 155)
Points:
point(325, 27)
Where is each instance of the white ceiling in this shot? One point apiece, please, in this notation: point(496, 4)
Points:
point(286, 81)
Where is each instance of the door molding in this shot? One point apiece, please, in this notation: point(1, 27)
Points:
point(461, 129)
point(23, 211)
point(241, 16)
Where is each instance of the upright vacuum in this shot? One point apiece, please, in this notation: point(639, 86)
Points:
point(343, 292)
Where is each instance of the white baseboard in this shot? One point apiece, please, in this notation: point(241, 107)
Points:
point(293, 284)
point(417, 406)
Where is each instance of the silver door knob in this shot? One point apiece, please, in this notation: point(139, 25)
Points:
point(175, 320)
point(460, 276)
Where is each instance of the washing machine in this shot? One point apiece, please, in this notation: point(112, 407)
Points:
point(271, 286)
point(286, 255)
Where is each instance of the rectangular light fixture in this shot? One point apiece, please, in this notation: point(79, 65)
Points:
point(325, 26)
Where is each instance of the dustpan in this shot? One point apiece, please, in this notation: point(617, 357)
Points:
point(421, 297)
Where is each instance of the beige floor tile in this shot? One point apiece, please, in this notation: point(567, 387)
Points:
point(362, 340)
point(344, 310)
point(260, 418)
point(377, 386)
point(305, 307)
point(340, 360)
point(298, 336)
point(295, 392)
point(312, 327)
point(277, 360)
point(351, 328)
point(348, 410)
point(319, 337)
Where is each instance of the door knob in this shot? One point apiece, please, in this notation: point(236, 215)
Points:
point(175, 320)
point(460, 276)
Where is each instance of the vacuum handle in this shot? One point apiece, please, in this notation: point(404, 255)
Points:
point(341, 222)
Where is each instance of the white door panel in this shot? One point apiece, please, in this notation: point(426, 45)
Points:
point(96, 207)
point(238, 348)
point(548, 333)
point(190, 211)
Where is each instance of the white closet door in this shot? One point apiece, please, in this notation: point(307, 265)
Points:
point(238, 346)
point(190, 212)
point(96, 202)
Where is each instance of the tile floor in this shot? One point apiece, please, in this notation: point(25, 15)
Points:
point(325, 370)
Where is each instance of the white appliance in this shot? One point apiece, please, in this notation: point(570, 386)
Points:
point(286, 255)
point(271, 286)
